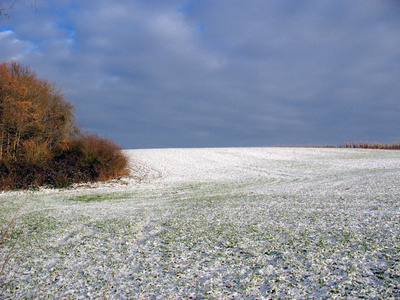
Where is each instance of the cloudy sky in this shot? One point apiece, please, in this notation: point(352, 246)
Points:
point(181, 73)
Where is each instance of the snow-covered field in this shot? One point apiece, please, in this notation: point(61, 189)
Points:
point(222, 223)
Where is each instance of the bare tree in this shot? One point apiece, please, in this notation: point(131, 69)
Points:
point(7, 10)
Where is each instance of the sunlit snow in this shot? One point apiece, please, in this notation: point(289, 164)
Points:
point(216, 223)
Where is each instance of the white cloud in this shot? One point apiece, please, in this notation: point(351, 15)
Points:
point(14, 48)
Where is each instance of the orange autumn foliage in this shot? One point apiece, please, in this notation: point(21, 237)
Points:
point(38, 129)
point(31, 109)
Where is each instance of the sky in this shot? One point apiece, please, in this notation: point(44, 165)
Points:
point(217, 73)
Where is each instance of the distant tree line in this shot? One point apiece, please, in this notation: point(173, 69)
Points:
point(40, 143)
point(358, 145)
point(372, 145)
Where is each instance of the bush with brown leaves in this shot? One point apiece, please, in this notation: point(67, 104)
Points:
point(40, 143)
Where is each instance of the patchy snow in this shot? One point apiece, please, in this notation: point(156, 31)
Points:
point(235, 223)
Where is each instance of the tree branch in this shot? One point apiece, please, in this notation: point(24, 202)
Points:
point(8, 11)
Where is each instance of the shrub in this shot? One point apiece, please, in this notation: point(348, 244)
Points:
point(91, 158)
point(40, 143)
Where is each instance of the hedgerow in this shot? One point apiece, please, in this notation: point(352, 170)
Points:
point(40, 143)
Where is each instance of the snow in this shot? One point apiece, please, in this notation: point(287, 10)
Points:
point(212, 223)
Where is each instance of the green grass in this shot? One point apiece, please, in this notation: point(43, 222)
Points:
point(93, 197)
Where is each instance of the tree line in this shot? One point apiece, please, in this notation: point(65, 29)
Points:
point(40, 143)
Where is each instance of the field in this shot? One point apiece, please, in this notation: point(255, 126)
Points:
point(217, 223)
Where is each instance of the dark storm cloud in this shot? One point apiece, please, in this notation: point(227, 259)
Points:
point(219, 73)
